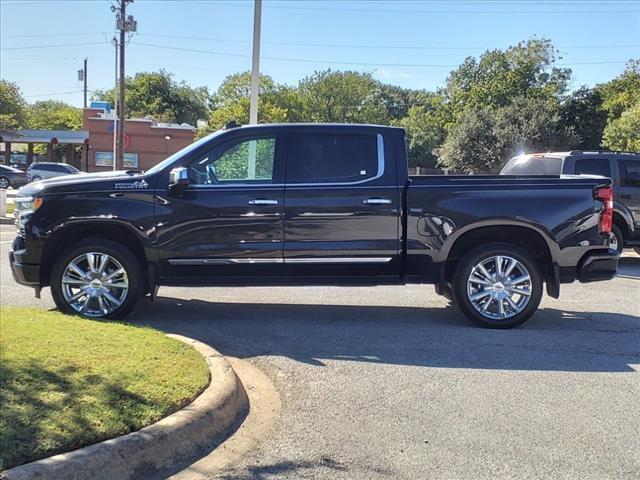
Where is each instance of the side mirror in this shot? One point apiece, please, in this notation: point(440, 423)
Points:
point(178, 180)
point(179, 176)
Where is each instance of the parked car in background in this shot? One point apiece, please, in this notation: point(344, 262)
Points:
point(622, 168)
point(43, 170)
point(12, 177)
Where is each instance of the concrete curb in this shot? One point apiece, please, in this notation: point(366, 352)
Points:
point(156, 446)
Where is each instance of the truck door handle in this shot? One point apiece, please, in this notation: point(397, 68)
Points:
point(626, 197)
point(376, 201)
point(263, 201)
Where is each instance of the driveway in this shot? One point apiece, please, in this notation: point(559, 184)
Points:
point(390, 382)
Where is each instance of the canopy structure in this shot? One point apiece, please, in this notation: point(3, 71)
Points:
point(69, 138)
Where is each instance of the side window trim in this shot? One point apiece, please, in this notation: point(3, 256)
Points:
point(379, 173)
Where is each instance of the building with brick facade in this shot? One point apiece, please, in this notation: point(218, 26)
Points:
point(147, 142)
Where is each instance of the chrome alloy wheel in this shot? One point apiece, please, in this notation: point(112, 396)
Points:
point(94, 284)
point(499, 287)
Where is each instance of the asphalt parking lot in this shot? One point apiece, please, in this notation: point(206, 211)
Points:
point(390, 382)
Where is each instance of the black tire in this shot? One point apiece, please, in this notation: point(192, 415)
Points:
point(122, 254)
point(619, 238)
point(483, 253)
point(4, 183)
point(36, 178)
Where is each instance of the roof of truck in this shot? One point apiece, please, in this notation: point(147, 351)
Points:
point(316, 125)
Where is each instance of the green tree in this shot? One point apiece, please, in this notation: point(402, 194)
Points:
point(12, 106)
point(623, 133)
point(485, 139)
point(232, 101)
point(54, 115)
point(239, 111)
point(158, 95)
point(344, 97)
point(397, 100)
point(426, 128)
point(623, 92)
point(583, 112)
point(500, 76)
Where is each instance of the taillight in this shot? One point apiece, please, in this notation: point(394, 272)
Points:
point(605, 195)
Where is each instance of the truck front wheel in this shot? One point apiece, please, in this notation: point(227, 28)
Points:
point(497, 286)
point(97, 278)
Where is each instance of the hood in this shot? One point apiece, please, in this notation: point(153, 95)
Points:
point(118, 180)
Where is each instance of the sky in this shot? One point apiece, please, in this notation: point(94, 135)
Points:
point(411, 43)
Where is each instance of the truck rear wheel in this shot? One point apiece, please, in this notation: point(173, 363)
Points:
point(497, 286)
point(97, 278)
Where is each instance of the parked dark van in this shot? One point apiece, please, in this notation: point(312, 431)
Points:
point(622, 167)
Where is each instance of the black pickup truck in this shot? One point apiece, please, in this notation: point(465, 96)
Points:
point(300, 204)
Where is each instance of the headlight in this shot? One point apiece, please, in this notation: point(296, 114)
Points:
point(25, 206)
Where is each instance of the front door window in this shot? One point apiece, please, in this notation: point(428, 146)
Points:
point(248, 161)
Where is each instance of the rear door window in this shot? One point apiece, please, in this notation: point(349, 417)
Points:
point(533, 165)
point(593, 166)
point(630, 173)
point(332, 158)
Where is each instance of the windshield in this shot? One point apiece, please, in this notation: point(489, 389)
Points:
point(185, 151)
point(533, 165)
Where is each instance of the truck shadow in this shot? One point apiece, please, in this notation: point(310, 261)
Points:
point(552, 340)
point(629, 267)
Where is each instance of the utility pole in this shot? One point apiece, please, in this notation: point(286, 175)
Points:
point(255, 64)
point(115, 106)
point(85, 83)
point(82, 75)
point(124, 24)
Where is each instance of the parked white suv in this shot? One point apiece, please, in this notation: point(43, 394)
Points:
point(41, 170)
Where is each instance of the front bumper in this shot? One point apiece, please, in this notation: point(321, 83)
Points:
point(599, 265)
point(24, 273)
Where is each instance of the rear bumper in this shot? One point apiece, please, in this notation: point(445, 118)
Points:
point(598, 265)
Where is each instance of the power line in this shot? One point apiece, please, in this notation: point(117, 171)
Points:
point(53, 94)
point(53, 46)
point(37, 35)
point(336, 62)
point(291, 44)
point(375, 47)
point(435, 12)
point(296, 44)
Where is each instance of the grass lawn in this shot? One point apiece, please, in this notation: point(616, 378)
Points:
point(67, 382)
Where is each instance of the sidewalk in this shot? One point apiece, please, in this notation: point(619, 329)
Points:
point(7, 196)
